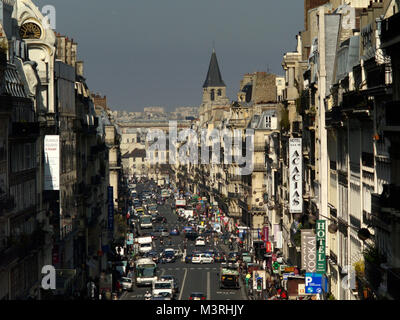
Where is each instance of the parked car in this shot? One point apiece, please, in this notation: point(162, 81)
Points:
point(197, 296)
point(200, 242)
point(126, 283)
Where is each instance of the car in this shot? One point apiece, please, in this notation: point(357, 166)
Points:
point(162, 296)
point(173, 279)
point(168, 255)
point(164, 232)
point(174, 232)
point(200, 242)
point(153, 255)
point(197, 296)
point(126, 283)
point(202, 258)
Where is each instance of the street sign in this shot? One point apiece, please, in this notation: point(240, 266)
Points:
point(313, 283)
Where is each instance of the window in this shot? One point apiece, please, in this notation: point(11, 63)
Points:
point(268, 122)
point(212, 95)
point(219, 92)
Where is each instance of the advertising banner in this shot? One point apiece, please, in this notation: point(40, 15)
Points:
point(110, 209)
point(308, 250)
point(52, 163)
point(321, 238)
point(296, 175)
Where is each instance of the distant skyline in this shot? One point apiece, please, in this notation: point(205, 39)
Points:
point(156, 52)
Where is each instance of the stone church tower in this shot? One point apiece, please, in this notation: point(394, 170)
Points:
point(214, 88)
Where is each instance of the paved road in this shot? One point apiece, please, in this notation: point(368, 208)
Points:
point(191, 277)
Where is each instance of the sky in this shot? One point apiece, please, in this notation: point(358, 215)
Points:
point(157, 52)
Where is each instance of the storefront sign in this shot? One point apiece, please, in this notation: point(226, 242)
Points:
point(321, 238)
point(308, 250)
point(296, 176)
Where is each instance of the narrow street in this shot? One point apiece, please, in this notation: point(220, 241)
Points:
point(191, 277)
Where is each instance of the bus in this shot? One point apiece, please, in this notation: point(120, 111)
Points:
point(145, 272)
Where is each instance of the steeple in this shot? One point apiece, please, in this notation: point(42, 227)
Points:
point(214, 78)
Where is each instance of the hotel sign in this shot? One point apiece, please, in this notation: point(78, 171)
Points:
point(321, 238)
point(295, 176)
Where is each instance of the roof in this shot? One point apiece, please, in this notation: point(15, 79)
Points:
point(214, 78)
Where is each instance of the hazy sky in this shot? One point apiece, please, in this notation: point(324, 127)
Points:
point(156, 52)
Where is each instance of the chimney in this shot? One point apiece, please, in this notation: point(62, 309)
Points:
point(79, 68)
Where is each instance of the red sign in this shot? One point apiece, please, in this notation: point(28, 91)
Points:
point(268, 247)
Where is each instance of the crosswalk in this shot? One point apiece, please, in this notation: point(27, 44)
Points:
point(192, 268)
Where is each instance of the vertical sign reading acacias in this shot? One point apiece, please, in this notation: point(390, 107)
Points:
point(296, 176)
point(321, 235)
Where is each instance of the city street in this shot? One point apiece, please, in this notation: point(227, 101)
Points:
point(191, 277)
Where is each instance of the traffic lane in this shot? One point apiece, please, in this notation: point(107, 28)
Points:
point(196, 281)
point(225, 294)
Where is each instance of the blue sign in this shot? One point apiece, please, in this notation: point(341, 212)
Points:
point(313, 283)
point(110, 209)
